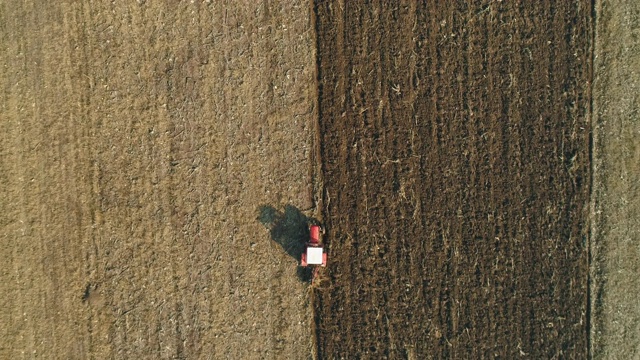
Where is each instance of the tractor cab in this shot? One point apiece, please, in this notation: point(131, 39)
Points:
point(314, 253)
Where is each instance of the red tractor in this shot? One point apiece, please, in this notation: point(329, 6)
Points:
point(314, 253)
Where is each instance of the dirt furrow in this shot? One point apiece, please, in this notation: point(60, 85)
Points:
point(456, 157)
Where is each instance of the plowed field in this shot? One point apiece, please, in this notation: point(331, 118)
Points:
point(160, 162)
point(456, 162)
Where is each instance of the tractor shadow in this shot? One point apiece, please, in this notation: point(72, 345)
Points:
point(289, 229)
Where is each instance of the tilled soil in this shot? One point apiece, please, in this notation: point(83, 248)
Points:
point(456, 166)
point(158, 165)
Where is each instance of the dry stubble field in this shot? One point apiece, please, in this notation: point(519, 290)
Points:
point(137, 142)
point(145, 146)
point(615, 270)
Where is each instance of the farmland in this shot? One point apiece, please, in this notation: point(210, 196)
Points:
point(138, 143)
point(474, 165)
point(456, 164)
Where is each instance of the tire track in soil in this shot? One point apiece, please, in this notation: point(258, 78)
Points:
point(455, 149)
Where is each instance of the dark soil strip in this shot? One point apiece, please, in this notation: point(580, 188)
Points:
point(455, 150)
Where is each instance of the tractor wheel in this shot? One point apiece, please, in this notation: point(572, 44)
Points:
point(303, 260)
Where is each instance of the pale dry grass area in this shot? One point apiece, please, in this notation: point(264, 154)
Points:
point(615, 271)
point(137, 142)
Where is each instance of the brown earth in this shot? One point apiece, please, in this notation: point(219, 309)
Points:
point(456, 166)
point(159, 162)
point(139, 142)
